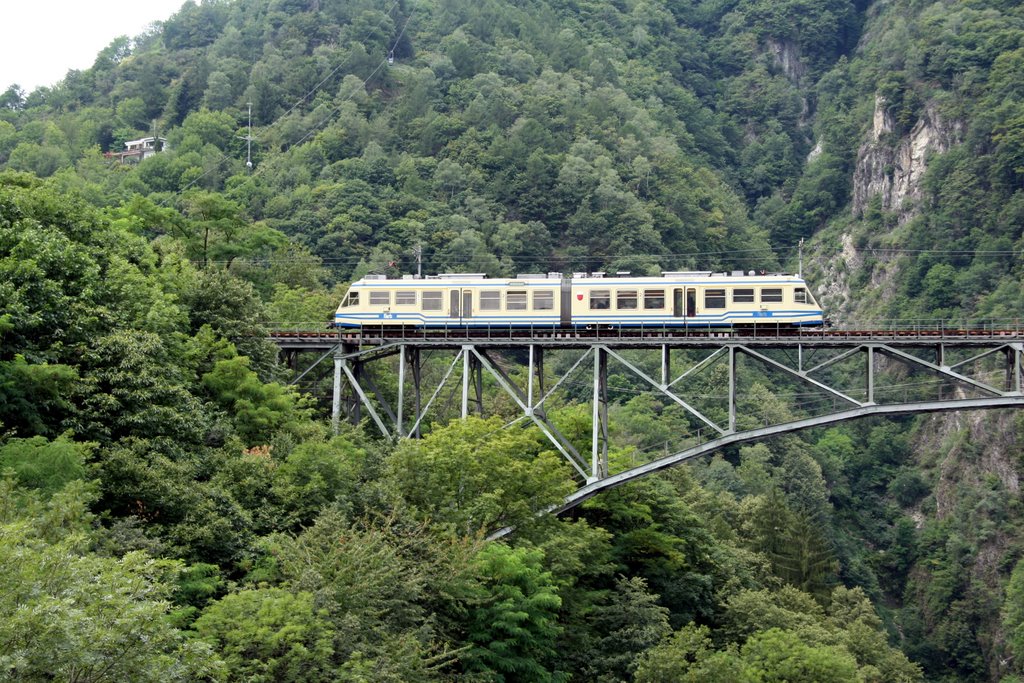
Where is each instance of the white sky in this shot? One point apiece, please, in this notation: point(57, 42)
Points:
point(40, 40)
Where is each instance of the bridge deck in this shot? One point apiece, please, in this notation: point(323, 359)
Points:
point(766, 336)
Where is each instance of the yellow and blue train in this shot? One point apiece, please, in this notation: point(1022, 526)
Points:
point(676, 299)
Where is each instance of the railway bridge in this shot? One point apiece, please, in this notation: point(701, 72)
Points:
point(397, 377)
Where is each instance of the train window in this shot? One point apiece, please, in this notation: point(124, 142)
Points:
point(600, 299)
point(380, 298)
point(771, 296)
point(800, 295)
point(654, 298)
point(490, 300)
point(544, 300)
point(352, 299)
point(432, 301)
point(743, 296)
point(625, 300)
point(714, 298)
point(515, 300)
point(405, 298)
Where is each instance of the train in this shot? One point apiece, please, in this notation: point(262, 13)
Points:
point(582, 300)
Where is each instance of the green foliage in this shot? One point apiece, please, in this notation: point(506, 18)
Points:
point(629, 623)
point(302, 306)
point(44, 465)
point(315, 475)
point(505, 138)
point(775, 655)
point(269, 634)
point(660, 537)
point(1013, 609)
point(512, 621)
point(132, 389)
point(34, 397)
point(477, 477)
point(157, 482)
point(73, 614)
point(258, 410)
point(374, 583)
point(783, 636)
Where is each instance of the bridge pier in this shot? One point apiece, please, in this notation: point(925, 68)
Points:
point(599, 445)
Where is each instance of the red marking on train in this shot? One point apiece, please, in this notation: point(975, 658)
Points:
point(579, 297)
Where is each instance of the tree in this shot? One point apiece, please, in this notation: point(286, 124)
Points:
point(42, 160)
point(387, 587)
point(216, 223)
point(73, 615)
point(781, 656)
point(233, 310)
point(511, 622)
point(13, 97)
point(44, 465)
point(772, 655)
point(258, 410)
point(689, 657)
point(35, 399)
point(629, 623)
point(315, 475)
point(656, 534)
point(267, 635)
point(1013, 612)
point(474, 477)
point(133, 388)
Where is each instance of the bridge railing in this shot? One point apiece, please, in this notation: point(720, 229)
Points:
point(843, 329)
point(928, 327)
point(305, 328)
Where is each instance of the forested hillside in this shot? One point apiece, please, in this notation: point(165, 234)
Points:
point(170, 509)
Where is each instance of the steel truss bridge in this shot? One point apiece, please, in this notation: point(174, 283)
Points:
point(847, 373)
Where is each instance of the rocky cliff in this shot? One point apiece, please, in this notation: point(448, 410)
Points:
point(892, 166)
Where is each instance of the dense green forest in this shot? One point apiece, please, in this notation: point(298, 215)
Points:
point(172, 509)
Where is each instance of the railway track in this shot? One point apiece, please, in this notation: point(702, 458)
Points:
point(377, 335)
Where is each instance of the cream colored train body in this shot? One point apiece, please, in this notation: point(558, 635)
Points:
point(676, 299)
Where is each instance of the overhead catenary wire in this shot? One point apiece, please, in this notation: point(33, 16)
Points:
point(733, 255)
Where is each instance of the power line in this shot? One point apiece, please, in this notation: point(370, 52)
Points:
point(355, 260)
point(386, 61)
point(224, 157)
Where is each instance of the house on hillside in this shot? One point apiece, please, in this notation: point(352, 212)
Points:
point(137, 150)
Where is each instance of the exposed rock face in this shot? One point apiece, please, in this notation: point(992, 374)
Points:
point(816, 152)
point(833, 292)
point(787, 57)
point(894, 169)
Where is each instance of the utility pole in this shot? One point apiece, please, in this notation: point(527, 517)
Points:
point(418, 250)
point(248, 139)
point(800, 270)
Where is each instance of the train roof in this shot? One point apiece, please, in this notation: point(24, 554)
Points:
point(597, 278)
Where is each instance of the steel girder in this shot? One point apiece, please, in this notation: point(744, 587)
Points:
point(478, 359)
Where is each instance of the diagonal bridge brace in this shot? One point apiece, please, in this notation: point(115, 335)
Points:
point(799, 375)
point(558, 439)
point(945, 371)
point(662, 388)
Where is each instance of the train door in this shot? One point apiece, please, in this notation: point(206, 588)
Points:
point(460, 304)
point(691, 303)
point(565, 303)
point(677, 303)
point(455, 312)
